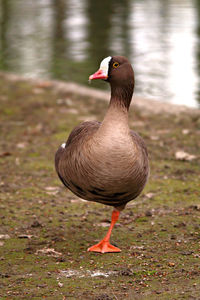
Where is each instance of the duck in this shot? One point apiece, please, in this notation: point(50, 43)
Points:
point(106, 162)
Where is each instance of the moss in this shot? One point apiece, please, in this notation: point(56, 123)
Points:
point(158, 232)
point(8, 111)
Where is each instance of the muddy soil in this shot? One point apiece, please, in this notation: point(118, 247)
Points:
point(45, 230)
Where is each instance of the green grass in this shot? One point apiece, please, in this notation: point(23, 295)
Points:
point(158, 232)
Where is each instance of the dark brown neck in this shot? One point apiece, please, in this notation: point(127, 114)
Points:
point(121, 95)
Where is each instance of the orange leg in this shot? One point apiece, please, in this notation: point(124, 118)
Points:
point(104, 245)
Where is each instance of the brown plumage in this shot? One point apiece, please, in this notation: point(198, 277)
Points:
point(106, 162)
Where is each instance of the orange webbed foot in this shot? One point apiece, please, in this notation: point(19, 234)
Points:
point(104, 247)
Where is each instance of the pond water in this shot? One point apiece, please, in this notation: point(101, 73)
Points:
point(67, 39)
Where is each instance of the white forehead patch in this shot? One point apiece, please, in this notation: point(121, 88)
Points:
point(104, 66)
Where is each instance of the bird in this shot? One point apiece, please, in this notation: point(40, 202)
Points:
point(106, 162)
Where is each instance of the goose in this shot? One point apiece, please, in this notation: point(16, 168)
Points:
point(106, 162)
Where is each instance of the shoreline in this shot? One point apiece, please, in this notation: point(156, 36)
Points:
point(143, 104)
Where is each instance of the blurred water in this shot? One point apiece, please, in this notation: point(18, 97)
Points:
point(67, 39)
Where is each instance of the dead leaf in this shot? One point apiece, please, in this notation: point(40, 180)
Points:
point(49, 252)
point(52, 193)
point(195, 207)
point(6, 153)
point(154, 138)
point(4, 237)
point(184, 156)
point(25, 236)
point(185, 131)
point(149, 195)
point(22, 145)
point(60, 284)
point(103, 224)
point(171, 264)
point(52, 190)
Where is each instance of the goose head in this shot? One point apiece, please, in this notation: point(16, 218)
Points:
point(116, 70)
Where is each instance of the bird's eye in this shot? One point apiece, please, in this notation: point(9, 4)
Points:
point(115, 65)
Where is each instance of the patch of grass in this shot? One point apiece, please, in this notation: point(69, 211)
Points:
point(158, 232)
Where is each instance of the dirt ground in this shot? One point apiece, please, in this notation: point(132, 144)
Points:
point(45, 230)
